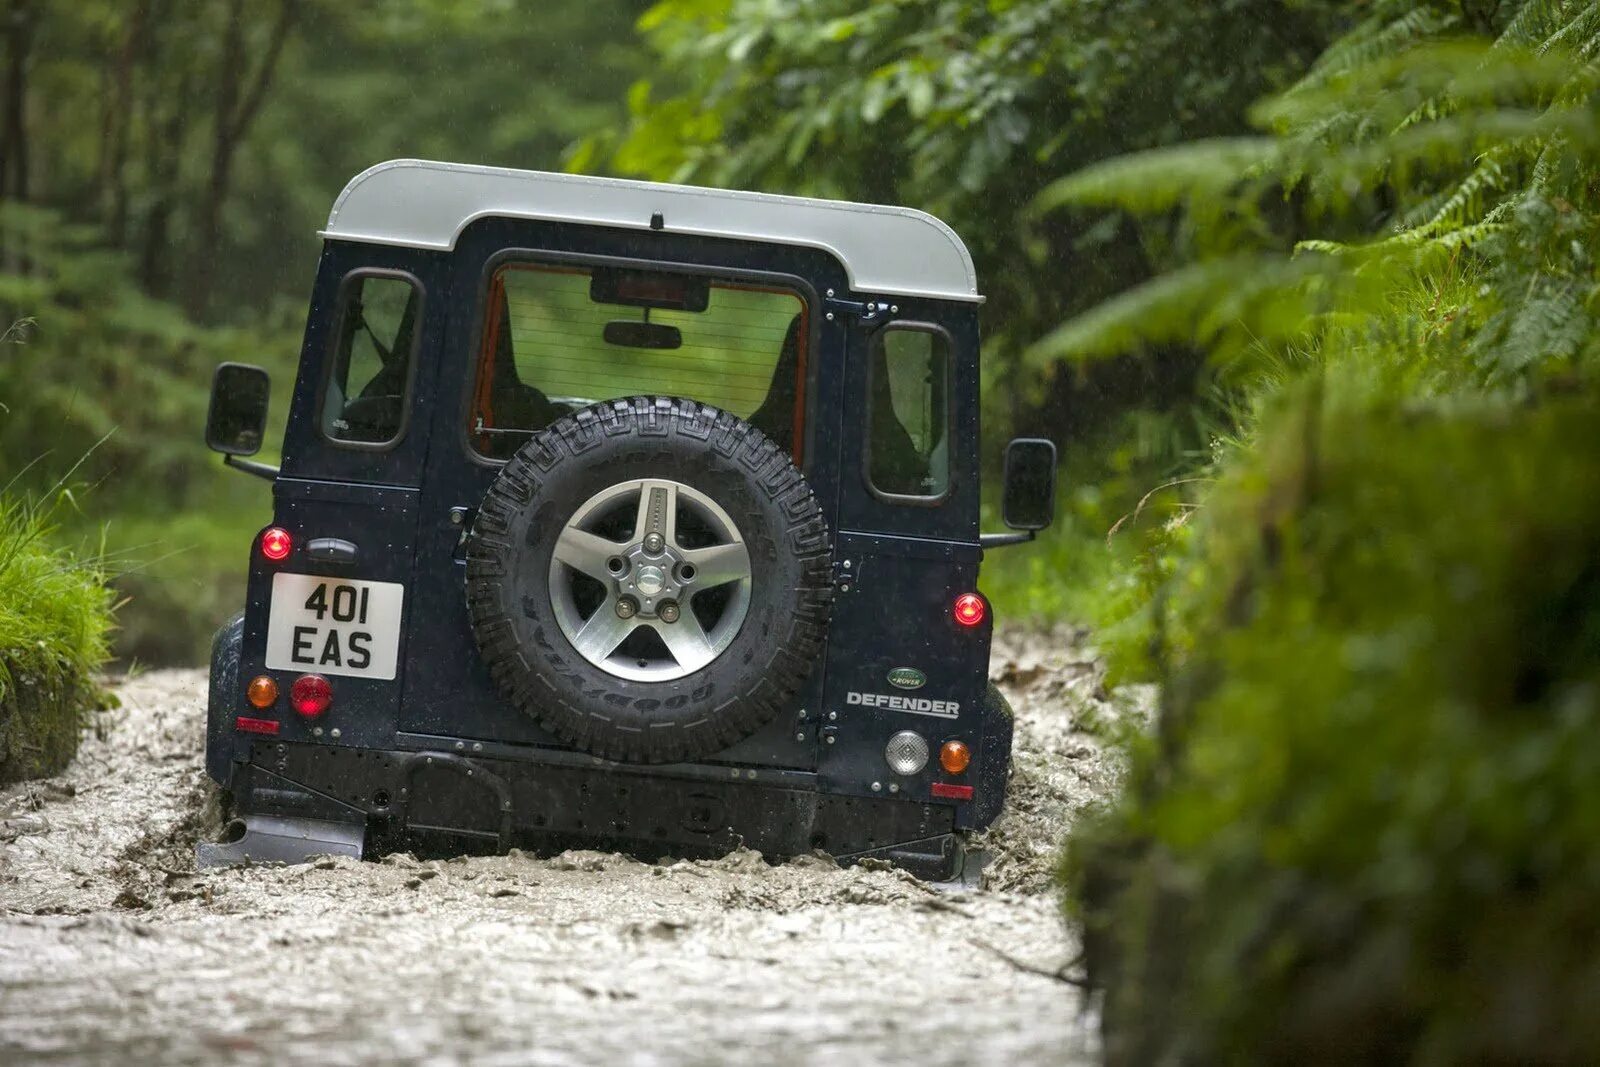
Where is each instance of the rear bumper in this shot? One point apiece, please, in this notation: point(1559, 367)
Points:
point(442, 802)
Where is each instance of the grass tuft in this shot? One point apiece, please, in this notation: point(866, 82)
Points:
point(55, 621)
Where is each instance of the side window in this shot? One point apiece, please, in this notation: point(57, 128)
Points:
point(365, 399)
point(908, 432)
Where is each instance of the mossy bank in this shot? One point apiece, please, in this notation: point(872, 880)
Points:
point(1365, 826)
point(55, 615)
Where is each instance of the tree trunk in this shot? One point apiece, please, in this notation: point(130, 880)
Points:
point(14, 122)
point(116, 132)
point(234, 113)
point(161, 167)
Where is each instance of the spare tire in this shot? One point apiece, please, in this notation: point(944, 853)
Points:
point(650, 579)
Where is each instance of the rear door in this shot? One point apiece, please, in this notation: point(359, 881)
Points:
point(907, 539)
point(502, 263)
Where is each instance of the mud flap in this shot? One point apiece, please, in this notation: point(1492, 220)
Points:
point(281, 839)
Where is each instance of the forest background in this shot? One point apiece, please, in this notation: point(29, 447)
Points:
point(1305, 291)
point(167, 164)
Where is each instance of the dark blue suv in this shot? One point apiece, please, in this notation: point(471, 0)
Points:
point(624, 515)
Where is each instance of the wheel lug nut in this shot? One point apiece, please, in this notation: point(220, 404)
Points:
point(627, 608)
point(654, 543)
point(668, 611)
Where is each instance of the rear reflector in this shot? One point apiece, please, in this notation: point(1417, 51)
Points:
point(255, 726)
point(951, 791)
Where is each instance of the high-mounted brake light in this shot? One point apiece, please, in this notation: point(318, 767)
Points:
point(969, 609)
point(276, 544)
point(311, 694)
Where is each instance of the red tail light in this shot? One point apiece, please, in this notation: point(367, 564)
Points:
point(969, 609)
point(311, 694)
point(276, 544)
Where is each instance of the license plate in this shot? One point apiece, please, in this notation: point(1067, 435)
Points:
point(334, 626)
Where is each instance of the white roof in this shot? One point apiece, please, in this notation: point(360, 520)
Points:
point(885, 250)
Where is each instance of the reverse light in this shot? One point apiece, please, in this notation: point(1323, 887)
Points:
point(906, 753)
point(969, 609)
point(276, 544)
point(955, 756)
point(262, 692)
point(311, 694)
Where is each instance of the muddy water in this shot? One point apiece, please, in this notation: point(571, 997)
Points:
point(113, 950)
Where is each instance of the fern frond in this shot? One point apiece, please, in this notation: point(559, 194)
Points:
point(1164, 309)
point(1428, 82)
point(1247, 299)
point(1407, 250)
point(1534, 21)
point(1459, 204)
point(1324, 247)
point(1545, 166)
point(1451, 142)
point(1576, 33)
point(1162, 178)
point(1376, 40)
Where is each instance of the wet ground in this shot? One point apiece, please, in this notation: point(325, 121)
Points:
point(113, 950)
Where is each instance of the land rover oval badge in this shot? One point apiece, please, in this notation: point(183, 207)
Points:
point(907, 678)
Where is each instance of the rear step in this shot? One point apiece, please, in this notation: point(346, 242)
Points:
point(279, 839)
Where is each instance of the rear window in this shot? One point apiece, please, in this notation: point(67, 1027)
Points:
point(558, 338)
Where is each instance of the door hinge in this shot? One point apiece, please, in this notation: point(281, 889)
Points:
point(864, 311)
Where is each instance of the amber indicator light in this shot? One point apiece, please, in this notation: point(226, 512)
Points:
point(262, 691)
point(954, 756)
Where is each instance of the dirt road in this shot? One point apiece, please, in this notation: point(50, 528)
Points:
point(112, 950)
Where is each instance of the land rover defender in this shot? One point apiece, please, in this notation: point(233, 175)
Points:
point(623, 515)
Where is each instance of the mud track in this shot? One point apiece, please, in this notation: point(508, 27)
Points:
point(113, 950)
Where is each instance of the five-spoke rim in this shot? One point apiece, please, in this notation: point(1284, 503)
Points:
point(650, 580)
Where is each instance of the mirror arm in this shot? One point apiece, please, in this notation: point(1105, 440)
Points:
point(1001, 540)
point(250, 466)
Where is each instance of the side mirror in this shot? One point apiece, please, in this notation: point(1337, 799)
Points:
point(1029, 500)
point(237, 420)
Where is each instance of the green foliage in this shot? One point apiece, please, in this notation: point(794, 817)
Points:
point(1405, 170)
point(55, 618)
point(128, 107)
point(106, 368)
point(1439, 243)
point(964, 109)
point(970, 110)
point(1365, 830)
